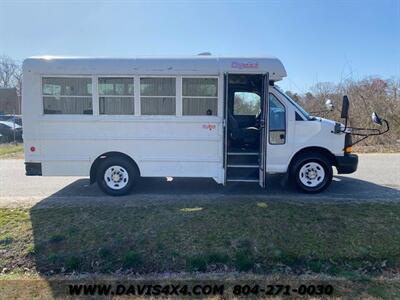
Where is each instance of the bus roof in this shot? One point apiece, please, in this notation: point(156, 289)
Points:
point(198, 65)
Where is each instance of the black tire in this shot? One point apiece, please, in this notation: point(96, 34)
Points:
point(131, 169)
point(303, 160)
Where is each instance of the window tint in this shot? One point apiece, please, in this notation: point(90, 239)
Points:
point(63, 86)
point(158, 96)
point(206, 87)
point(246, 103)
point(157, 87)
point(277, 121)
point(64, 95)
point(200, 96)
point(116, 96)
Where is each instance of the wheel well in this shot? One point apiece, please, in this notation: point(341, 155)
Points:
point(96, 163)
point(319, 150)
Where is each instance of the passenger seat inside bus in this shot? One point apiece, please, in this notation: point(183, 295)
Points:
point(247, 137)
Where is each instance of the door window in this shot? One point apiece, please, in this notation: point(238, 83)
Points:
point(246, 103)
point(277, 121)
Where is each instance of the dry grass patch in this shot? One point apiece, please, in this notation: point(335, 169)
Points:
point(11, 151)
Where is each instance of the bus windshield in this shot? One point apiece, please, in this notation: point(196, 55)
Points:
point(299, 108)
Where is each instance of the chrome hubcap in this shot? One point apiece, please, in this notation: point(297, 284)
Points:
point(116, 177)
point(311, 174)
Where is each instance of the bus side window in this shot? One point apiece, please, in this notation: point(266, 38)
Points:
point(67, 95)
point(199, 96)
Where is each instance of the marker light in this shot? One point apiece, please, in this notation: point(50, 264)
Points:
point(33, 149)
point(348, 149)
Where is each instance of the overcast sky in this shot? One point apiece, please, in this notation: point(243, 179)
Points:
point(317, 41)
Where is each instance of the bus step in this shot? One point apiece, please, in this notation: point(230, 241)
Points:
point(242, 153)
point(243, 160)
point(242, 180)
point(244, 166)
point(243, 172)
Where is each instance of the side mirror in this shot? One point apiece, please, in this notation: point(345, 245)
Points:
point(376, 119)
point(345, 108)
point(329, 105)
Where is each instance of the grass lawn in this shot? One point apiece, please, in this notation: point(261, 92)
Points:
point(11, 151)
point(357, 242)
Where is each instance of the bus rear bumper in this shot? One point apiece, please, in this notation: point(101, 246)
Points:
point(33, 169)
point(346, 164)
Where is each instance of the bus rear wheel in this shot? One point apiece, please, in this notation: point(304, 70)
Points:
point(311, 173)
point(116, 176)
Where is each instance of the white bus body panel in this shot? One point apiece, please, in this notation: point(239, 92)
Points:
point(67, 145)
point(178, 146)
point(155, 66)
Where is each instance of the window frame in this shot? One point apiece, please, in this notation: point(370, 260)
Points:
point(133, 77)
point(92, 96)
point(286, 120)
point(204, 97)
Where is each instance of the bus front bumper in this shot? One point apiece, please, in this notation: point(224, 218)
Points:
point(347, 163)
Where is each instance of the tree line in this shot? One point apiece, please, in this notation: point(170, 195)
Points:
point(366, 96)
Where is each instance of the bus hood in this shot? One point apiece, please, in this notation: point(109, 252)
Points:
point(331, 125)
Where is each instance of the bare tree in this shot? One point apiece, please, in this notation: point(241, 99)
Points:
point(10, 72)
point(366, 95)
point(11, 77)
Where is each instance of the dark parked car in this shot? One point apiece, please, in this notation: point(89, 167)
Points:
point(10, 131)
point(11, 118)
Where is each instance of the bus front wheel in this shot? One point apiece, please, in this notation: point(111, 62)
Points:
point(311, 172)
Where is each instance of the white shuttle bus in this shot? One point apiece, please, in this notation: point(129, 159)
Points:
point(116, 120)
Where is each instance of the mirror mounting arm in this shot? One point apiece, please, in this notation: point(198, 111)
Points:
point(363, 132)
